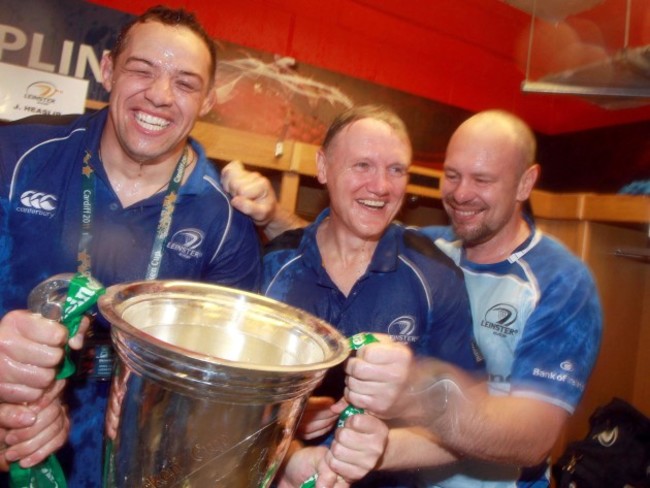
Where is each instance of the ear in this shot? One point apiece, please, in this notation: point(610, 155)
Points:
point(107, 69)
point(527, 182)
point(320, 166)
point(209, 101)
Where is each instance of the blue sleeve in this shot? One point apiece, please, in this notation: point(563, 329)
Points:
point(562, 339)
point(238, 263)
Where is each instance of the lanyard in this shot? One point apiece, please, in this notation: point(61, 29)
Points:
point(164, 222)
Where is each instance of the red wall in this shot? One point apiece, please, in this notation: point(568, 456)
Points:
point(458, 52)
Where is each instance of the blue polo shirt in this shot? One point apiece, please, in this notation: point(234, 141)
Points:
point(411, 291)
point(41, 205)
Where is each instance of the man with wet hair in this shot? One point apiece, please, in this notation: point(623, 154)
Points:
point(122, 194)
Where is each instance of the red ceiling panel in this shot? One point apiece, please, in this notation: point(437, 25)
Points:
point(466, 53)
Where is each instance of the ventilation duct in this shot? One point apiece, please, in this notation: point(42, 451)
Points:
point(611, 76)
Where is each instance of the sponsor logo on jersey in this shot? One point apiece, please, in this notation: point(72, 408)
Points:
point(559, 377)
point(499, 318)
point(186, 243)
point(37, 203)
point(567, 365)
point(403, 329)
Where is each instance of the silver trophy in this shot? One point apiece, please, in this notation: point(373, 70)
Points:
point(209, 384)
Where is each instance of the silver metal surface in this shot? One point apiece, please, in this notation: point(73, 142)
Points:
point(210, 383)
point(48, 297)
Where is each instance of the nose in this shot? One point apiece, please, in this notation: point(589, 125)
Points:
point(460, 190)
point(160, 91)
point(379, 183)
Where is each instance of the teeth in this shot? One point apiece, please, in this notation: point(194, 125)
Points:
point(150, 122)
point(467, 213)
point(373, 203)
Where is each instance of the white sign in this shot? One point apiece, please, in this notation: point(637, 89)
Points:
point(25, 92)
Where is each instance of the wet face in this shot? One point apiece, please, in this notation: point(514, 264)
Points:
point(159, 85)
point(365, 170)
point(482, 186)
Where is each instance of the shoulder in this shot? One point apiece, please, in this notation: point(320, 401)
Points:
point(420, 247)
point(39, 130)
point(566, 265)
point(287, 241)
point(434, 232)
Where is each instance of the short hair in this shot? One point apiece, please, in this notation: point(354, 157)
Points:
point(376, 112)
point(172, 17)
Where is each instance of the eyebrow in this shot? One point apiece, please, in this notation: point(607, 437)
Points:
point(137, 59)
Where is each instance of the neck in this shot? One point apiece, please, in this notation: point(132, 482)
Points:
point(344, 257)
point(340, 244)
point(499, 246)
point(134, 180)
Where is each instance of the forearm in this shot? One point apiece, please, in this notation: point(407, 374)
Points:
point(413, 448)
point(509, 429)
point(281, 221)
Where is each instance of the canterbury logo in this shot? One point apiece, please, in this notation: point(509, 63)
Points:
point(607, 438)
point(38, 200)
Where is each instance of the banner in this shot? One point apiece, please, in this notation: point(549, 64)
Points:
point(25, 92)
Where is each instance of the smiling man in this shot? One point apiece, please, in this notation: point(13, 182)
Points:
point(123, 194)
point(363, 272)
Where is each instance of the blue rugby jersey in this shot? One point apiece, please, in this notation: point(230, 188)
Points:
point(41, 204)
point(538, 323)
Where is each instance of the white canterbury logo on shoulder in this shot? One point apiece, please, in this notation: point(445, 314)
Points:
point(38, 203)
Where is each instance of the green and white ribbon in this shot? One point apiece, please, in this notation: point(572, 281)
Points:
point(82, 294)
point(357, 341)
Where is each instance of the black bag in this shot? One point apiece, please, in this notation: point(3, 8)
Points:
point(615, 453)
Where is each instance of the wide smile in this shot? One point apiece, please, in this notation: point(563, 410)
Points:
point(460, 214)
point(372, 204)
point(150, 122)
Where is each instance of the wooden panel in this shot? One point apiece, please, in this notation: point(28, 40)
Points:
point(554, 206)
point(642, 377)
point(289, 188)
point(617, 208)
point(424, 181)
point(303, 159)
point(621, 285)
point(228, 144)
point(571, 233)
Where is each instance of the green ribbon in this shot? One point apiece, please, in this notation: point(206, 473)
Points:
point(357, 341)
point(83, 293)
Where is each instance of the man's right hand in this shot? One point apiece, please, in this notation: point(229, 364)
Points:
point(253, 195)
point(33, 420)
point(31, 348)
point(318, 418)
point(31, 440)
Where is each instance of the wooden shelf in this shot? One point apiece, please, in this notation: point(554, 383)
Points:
point(295, 159)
